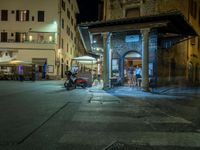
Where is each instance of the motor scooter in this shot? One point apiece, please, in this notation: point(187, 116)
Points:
point(72, 81)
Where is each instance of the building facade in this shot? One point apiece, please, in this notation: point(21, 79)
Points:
point(176, 62)
point(39, 31)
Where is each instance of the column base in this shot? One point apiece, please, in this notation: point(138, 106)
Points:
point(146, 89)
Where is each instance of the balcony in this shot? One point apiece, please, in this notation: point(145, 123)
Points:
point(128, 2)
point(11, 44)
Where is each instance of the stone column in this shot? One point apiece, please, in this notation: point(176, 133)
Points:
point(145, 59)
point(106, 60)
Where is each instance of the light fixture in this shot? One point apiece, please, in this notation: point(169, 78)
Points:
point(50, 38)
point(30, 38)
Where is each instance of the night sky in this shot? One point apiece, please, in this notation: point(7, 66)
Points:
point(88, 10)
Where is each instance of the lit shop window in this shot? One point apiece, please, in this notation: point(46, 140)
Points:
point(22, 15)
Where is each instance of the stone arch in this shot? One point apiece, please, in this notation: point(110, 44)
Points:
point(129, 54)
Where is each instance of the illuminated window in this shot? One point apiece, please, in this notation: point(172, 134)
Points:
point(22, 15)
point(20, 36)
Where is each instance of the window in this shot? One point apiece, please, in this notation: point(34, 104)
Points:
point(4, 15)
point(192, 41)
point(22, 15)
point(68, 13)
point(63, 5)
point(199, 16)
point(62, 44)
point(193, 8)
point(72, 35)
point(41, 38)
point(4, 37)
point(67, 47)
point(20, 37)
point(72, 21)
point(40, 16)
point(33, 18)
point(63, 23)
point(199, 43)
point(133, 12)
point(68, 30)
point(72, 7)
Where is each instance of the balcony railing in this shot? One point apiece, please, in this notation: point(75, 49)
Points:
point(28, 45)
point(128, 2)
point(33, 41)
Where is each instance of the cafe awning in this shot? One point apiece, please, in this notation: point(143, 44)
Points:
point(15, 62)
point(85, 59)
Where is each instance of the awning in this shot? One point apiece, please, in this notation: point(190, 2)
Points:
point(85, 59)
point(15, 62)
point(170, 22)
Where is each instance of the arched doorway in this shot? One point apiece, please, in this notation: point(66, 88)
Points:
point(133, 59)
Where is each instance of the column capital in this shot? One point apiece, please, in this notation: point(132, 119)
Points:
point(145, 31)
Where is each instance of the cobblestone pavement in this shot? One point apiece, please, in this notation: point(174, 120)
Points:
point(42, 115)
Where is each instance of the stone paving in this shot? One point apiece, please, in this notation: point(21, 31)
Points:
point(44, 116)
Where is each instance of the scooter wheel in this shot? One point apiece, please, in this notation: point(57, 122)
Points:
point(84, 85)
point(65, 84)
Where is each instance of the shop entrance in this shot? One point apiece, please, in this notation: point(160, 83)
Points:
point(132, 61)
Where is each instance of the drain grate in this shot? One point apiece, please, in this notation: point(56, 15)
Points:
point(104, 101)
point(116, 146)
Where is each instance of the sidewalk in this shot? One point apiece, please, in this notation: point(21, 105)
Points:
point(137, 91)
point(176, 90)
